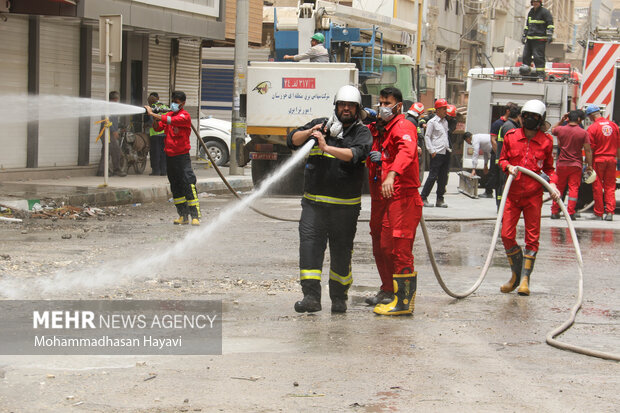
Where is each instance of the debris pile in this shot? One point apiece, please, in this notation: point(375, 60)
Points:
point(54, 211)
point(67, 211)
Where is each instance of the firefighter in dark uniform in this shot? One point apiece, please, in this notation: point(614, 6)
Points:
point(332, 198)
point(537, 33)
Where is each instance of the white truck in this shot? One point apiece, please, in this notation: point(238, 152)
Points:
point(283, 96)
point(489, 94)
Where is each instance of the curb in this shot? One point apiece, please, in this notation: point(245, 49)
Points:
point(124, 196)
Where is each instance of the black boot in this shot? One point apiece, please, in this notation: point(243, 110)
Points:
point(312, 297)
point(529, 257)
point(338, 294)
point(515, 258)
point(405, 286)
point(382, 297)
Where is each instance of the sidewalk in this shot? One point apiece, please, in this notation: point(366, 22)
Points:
point(81, 190)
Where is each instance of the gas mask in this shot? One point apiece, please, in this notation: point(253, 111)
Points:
point(175, 107)
point(530, 122)
point(386, 113)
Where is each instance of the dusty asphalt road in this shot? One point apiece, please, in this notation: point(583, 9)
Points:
point(485, 353)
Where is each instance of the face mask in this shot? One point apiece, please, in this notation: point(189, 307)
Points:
point(174, 107)
point(530, 123)
point(386, 113)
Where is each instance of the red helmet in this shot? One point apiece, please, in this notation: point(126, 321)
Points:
point(451, 111)
point(417, 107)
point(441, 103)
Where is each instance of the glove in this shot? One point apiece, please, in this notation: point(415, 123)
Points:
point(524, 39)
point(375, 156)
point(549, 39)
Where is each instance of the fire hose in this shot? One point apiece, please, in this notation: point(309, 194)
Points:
point(230, 188)
point(551, 335)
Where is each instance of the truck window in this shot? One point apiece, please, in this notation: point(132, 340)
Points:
point(422, 85)
point(387, 77)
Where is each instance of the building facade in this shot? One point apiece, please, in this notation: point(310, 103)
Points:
point(52, 48)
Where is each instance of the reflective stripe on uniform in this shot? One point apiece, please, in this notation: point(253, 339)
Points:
point(318, 152)
point(331, 200)
point(179, 200)
point(536, 37)
point(340, 279)
point(530, 21)
point(195, 202)
point(310, 275)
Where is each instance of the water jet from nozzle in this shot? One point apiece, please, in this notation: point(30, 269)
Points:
point(28, 108)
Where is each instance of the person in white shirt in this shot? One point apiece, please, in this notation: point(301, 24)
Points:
point(438, 146)
point(480, 142)
point(317, 52)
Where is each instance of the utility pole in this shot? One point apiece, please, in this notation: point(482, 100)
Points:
point(418, 47)
point(240, 86)
point(110, 50)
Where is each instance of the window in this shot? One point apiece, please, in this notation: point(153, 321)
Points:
point(388, 76)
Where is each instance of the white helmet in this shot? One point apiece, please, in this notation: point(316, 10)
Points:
point(348, 93)
point(589, 177)
point(535, 106)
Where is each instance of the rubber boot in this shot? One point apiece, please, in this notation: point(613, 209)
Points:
point(182, 220)
point(404, 296)
point(515, 258)
point(312, 297)
point(529, 257)
point(339, 296)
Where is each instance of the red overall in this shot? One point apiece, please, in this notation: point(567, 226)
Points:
point(525, 193)
point(393, 221)
point(605, 141)
point(571, 139)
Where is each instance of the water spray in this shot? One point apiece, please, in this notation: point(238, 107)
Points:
point(144, 268)
point(27, 108)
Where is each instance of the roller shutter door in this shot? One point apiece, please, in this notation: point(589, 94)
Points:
point(188, 72)
point(14, 80)
point(159, 68)
point(218, 79)
point(59, 75)
point(98, 92)
point(188, 77)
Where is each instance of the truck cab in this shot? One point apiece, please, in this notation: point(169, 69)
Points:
point(398, 71)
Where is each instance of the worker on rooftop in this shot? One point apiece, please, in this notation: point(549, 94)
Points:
point(538, 32)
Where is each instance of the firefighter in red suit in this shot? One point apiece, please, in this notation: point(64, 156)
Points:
point(178, 127)
point(396, 204)
point(572, 139)
point(531, 148)
point(605, 142)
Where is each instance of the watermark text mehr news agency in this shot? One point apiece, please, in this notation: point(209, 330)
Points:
point(90, 320)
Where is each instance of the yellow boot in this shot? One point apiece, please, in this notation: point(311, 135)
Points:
point(529, 257)
point(181, 221)
point(515, 258)
point(404, 296)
